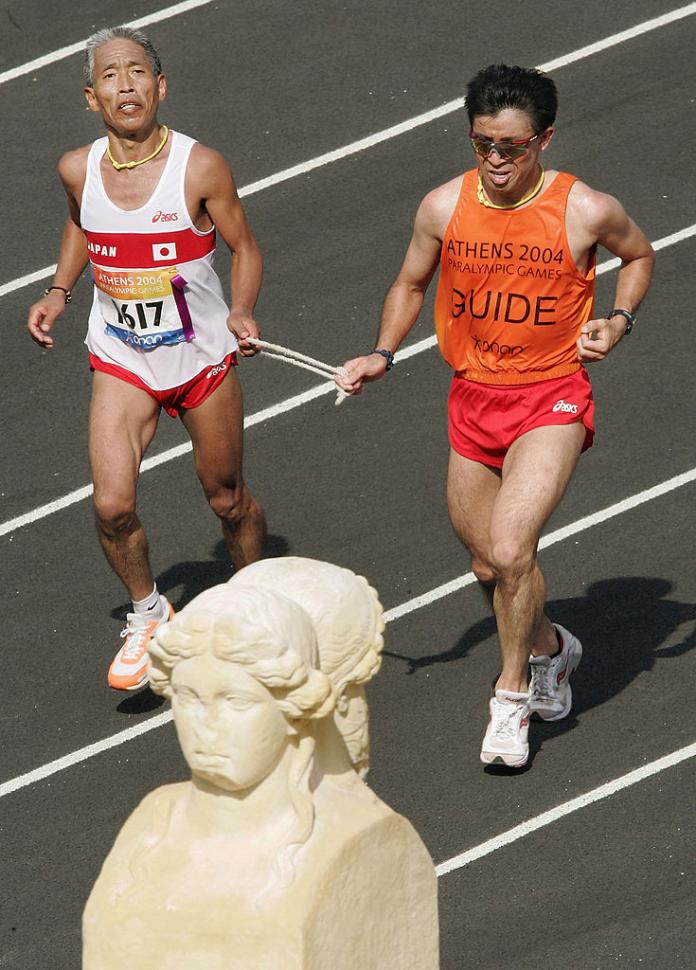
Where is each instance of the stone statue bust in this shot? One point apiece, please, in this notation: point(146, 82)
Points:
point(348, 620)
point(262, 860)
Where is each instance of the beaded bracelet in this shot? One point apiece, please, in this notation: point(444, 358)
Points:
point(68, 294)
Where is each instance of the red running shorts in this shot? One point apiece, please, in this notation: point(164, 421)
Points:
point(485, 419)
point(175, 399)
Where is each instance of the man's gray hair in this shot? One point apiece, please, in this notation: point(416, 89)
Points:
point(118, 33)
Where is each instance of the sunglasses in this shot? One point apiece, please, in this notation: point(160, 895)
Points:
point(509, 149)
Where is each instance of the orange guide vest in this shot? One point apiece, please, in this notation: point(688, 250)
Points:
point(510, 300)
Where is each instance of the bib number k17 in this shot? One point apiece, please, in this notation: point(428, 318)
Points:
point(148, 314)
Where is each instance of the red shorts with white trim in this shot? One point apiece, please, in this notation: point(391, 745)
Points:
point(175, 399)
point(485, 419)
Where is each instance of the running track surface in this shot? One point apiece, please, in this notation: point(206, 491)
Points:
point(272, 85)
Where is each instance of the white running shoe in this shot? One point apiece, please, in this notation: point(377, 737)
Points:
point(551, 695)
point(506, 735)
point(129, 668)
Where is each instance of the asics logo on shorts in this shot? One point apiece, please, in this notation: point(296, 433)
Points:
point(565, 406)
point(165, 216)
point(218, 369)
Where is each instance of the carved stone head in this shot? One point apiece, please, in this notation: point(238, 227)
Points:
point(348, 619)
point(241, 669)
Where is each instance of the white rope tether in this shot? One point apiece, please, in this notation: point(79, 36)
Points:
point(289, 356)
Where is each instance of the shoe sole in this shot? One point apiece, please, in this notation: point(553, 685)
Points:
point(141, 683)
point(509, 760)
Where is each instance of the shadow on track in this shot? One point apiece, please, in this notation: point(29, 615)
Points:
point(625, 624)
point(188, 579)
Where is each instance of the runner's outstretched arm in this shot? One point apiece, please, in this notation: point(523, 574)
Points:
point(405, 296)
point(72, 257)
point(224, 207)
point(72, 260)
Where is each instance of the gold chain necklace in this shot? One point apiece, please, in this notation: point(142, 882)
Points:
point(484, 200)
point(119, 166)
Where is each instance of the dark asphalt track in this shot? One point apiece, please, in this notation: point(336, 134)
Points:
point(272, 84)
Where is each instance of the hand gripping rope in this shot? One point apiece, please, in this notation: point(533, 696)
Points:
point(301, 360)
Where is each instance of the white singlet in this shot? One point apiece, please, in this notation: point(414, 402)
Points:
point(158, 308)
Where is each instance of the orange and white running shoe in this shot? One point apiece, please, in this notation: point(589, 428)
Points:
point(129, 668)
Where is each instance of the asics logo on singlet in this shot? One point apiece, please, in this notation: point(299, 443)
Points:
point(165, 216)
point(216, 370)
point(565, 406)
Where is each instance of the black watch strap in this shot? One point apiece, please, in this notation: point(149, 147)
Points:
point(387, 354)
point(628, 317)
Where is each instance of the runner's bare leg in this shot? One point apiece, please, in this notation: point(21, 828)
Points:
point(122, 423)
point(499, 520)
point(536, 473)
point(216, 432)
point(472, 489)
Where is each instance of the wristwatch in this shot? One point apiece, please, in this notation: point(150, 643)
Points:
point(628, 317)
point(387, 354)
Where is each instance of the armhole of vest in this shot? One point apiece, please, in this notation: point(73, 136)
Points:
point(583, 277)
point(458, 204)
point(186, 157)
point(90, 177)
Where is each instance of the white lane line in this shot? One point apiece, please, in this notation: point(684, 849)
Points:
point(671, 17)
point(83, 754)
point(42, 274)
point(267, 414)
point(451, 106)
point(663, 243)
point(58, 55)
point(289, 404)
point(559, 535)
point(554, 814)
point(21, 781)
point(166, 13)
point(387, 133)
point(178, 8)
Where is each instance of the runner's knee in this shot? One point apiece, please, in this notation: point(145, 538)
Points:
point(510, 560)
point(114, 513)
point(230, 504)
point(483, 571)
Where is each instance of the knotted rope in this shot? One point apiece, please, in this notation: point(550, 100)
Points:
point(301, 360)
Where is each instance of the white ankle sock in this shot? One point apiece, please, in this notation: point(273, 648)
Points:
point(151, 605)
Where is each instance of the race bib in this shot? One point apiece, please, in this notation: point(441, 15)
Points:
point(144, 308)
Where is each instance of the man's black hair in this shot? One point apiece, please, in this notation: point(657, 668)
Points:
point(498, 86)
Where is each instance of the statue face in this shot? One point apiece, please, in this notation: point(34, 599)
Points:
point(230, 728)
